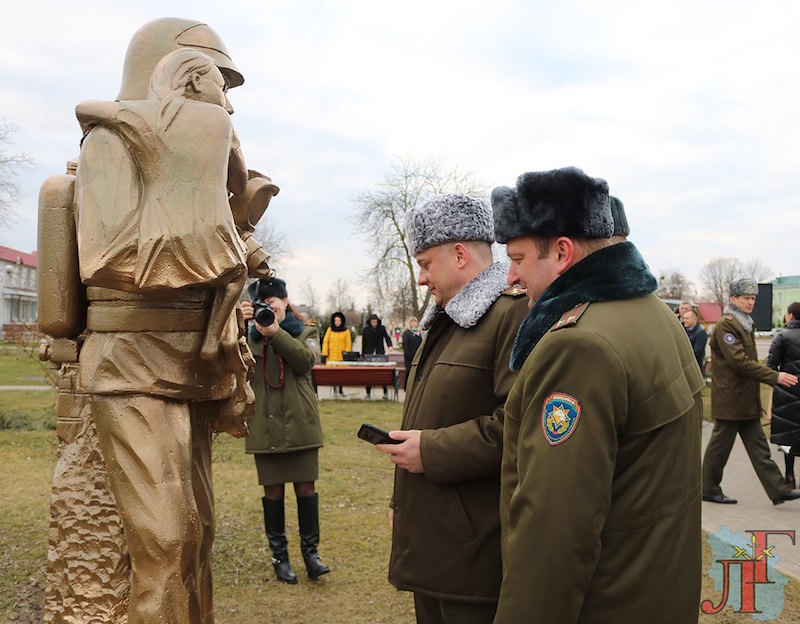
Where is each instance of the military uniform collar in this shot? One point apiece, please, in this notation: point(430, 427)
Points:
point(745, 320)
point(470, 303)
point(609, 274)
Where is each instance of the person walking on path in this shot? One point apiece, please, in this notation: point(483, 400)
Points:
point(784, 355)
point(736, 399)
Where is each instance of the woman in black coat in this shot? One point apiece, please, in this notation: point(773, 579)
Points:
point(784, 355)
point(372, 340)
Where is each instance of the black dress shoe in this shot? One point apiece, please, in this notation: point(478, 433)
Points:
point(722, 499)
point(790, 495)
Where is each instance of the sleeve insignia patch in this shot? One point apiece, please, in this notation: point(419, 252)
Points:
point(570, 317)
point(729, 338)
point(560, 416)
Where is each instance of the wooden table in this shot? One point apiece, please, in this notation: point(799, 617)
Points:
point(357, 374)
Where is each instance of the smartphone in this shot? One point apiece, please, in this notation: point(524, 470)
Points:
point(371, 433)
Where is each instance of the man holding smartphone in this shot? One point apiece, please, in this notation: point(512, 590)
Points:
point(446, 525)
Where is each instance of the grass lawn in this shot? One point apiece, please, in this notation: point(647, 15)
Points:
point(20, 365)
point(355, 485)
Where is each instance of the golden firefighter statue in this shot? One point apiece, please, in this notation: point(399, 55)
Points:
point(144, 249)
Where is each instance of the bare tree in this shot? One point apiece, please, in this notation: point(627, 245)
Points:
point(718, 273)
point(339, 297)
point(10, 164)
point(308, 296)
point(381, 218)
point(275, 243)
point(672, 284)
point(758, 271)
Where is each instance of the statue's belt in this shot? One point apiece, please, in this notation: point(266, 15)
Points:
point(185, 309)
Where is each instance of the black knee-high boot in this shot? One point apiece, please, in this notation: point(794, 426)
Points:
point(308, 519)
point(275, 526)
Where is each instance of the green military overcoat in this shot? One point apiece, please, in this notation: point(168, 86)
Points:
point(286, 417)
point(446, 536)
point(736, 372)
point(600, 500)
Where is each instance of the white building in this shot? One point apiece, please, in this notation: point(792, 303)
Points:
point(18, 294)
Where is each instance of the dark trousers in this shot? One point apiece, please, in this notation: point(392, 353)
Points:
point(432, 610)
point(755, 442)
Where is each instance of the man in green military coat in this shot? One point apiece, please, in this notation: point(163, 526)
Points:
point(736, 401)
point(600, 484)
point(446, 524)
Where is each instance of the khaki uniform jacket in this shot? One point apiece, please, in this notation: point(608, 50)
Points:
point(287, 418)
point(446, 537)
point(601, 523)
point(736, 372)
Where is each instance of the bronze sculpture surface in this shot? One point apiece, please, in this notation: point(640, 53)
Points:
point(153, 246)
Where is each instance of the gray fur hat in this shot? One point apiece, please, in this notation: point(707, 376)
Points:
point(448, 219)
point(561, 202)
point(621, 227)
point(743, 286)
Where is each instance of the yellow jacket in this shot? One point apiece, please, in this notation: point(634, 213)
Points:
point(334, 343)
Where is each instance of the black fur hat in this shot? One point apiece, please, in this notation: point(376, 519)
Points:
point(264, 288)
point(561, 202)
point(621, 227)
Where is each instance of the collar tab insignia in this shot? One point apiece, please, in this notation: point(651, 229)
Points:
point(570, 317)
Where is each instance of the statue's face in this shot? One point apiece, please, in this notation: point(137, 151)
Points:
point(210, 88)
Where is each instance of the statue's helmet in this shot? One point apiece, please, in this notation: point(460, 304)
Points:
point(161, 36)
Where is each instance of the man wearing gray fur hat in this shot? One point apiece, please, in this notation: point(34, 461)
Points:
point(601, 446)
point(736, 375)
point(446, 525)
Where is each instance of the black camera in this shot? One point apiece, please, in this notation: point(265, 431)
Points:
point(262, 313)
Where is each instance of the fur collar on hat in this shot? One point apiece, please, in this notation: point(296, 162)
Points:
point(470, 303)
point(745, 320)
point(609, 274)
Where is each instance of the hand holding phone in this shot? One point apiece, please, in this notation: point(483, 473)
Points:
point(373, 434)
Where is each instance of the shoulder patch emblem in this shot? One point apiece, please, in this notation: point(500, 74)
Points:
point(560, 416)
point(570, 317)
point(729, 338)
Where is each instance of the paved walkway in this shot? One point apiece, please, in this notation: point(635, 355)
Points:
point(754, 509)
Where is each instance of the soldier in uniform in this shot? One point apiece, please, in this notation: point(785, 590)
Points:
point(736, 401)
point(601, 446)
point(446, 527)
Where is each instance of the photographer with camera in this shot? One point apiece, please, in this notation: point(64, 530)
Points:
point(285, 431)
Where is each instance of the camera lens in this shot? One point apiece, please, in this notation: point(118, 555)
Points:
point(263, 314)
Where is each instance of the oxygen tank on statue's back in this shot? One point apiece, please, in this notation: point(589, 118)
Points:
point(62, 301)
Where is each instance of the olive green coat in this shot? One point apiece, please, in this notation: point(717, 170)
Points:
point(602, 524)
point(736, 372)
point(446, 536)
point(286, 418)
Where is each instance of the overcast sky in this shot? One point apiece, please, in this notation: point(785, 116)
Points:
point(688, 109)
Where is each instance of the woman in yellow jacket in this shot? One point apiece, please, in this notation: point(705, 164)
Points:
point(337, 339)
